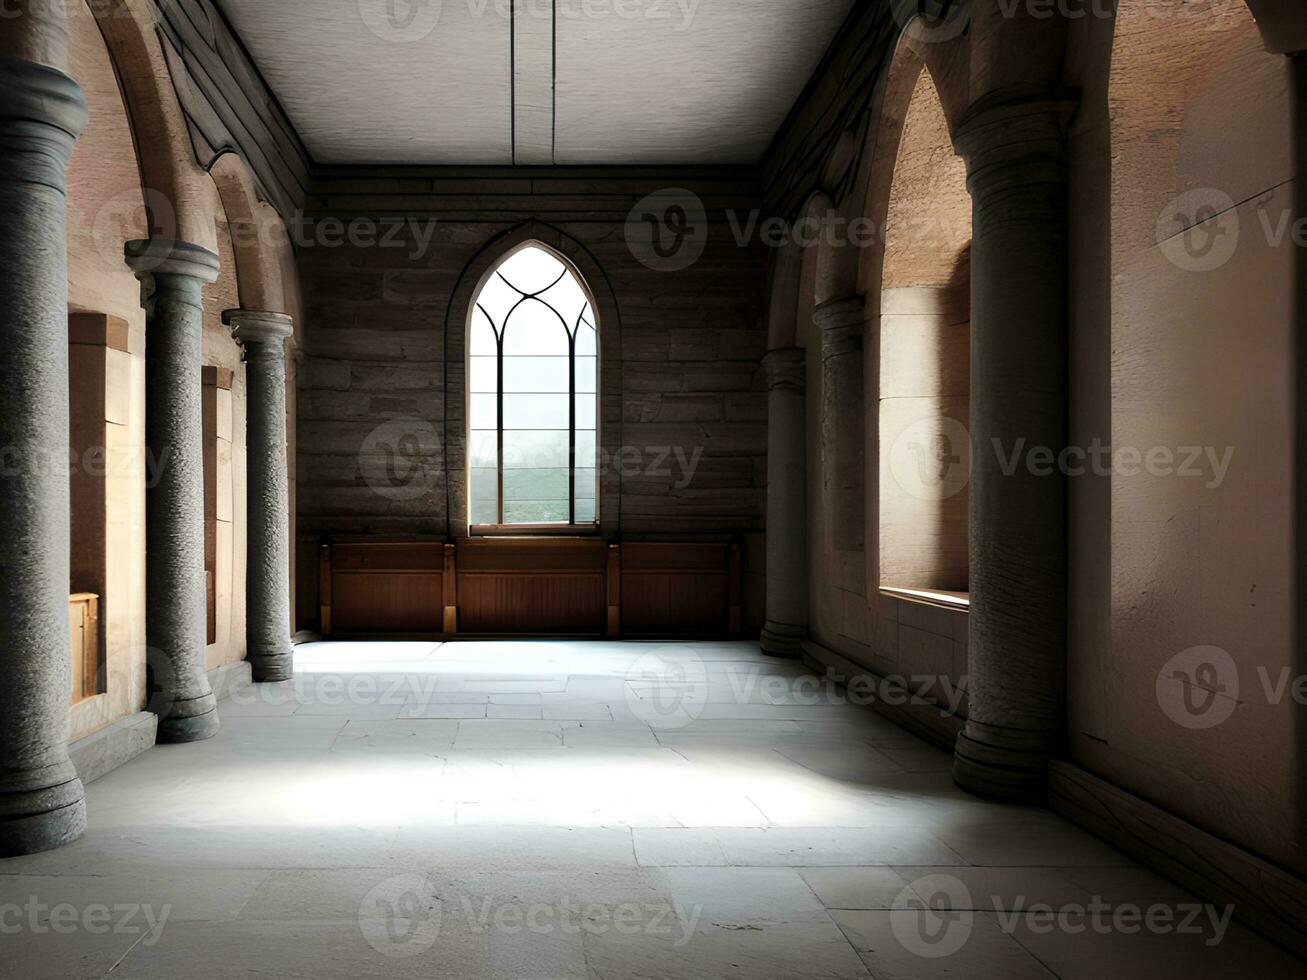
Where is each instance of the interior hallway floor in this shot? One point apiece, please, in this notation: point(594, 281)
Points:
point(588, 810)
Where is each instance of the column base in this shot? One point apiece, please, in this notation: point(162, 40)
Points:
point(782, 640)
point(1016, 772)
point(59, 819)
point(190, 721)
point(268, 668)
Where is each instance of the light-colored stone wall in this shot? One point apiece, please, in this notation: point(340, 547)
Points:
point(104, 194)
point(1202, 345)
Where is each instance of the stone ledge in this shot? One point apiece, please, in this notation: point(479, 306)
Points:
point(100, 753)
point(1266, 898)
point(919, 716)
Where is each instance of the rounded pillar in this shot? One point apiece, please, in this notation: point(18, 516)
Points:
point(172, 275)
point(267, 576)
point(1014, 143)
point(842, 324)
point(41, 797)
point(787, 504)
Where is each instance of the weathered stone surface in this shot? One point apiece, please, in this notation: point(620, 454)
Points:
point(41, 797)
point(172, 276)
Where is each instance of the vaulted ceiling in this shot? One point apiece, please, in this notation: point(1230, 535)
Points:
point(561, 81)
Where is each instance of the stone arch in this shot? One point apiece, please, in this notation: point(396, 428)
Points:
point(178, 196)
point(916, 276)
point(264, 255)
point(457, 319)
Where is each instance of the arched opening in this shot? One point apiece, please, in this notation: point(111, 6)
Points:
point(533, 395)
point(925, 349)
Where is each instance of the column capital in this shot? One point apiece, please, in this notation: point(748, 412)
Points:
point(169, 257)
point(1016, 135)
point(42, 114)
point(259, 326)
point(786, 368)
point(842, 323)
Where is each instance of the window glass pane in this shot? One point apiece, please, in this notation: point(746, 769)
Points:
point(535, 450)
point(586, 368)
point(585, 511)
point(497, 298)
point(483, 448)
point(483, 341)
point(483, 409)
point(536, 484)
point(483, 375)
point(586, 483)
point(536, 412)
point(536, 374)
point(585, 448)
point(586, 408)
point(586, 344)
point(535, 512)
point(484, 493)
point(531, 269)
point(568, 299)
point(535, 329)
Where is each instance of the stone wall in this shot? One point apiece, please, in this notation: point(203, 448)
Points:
point(381, 257)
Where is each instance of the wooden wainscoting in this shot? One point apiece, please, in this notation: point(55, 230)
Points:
point(680, 589)
point(533, 586)
point(384, 588)
point(522, 586)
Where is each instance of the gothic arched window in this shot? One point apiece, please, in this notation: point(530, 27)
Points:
point(533, 396)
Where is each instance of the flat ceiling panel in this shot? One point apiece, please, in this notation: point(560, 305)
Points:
point(685, 81)
point(595, 81)
point(387, 81)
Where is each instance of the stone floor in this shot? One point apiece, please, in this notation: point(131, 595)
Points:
point(589, 810)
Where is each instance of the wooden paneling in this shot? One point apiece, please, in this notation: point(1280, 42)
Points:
point(383, 588)
point(533, 586)
point(84, 627)
point(547, 586)
point(673, 589)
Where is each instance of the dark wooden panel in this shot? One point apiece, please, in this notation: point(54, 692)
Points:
point(676, 589)
point(532, 586)
point(387, 602)
point(384, 588)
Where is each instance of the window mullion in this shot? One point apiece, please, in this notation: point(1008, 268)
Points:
point(499, 420)
point(571, 430)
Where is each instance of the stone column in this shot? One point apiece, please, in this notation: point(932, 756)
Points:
point(1014, 143)
point(267, 575)
point(41, 114)
point(842, 324)
point(172, 276)
point(787, 504)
